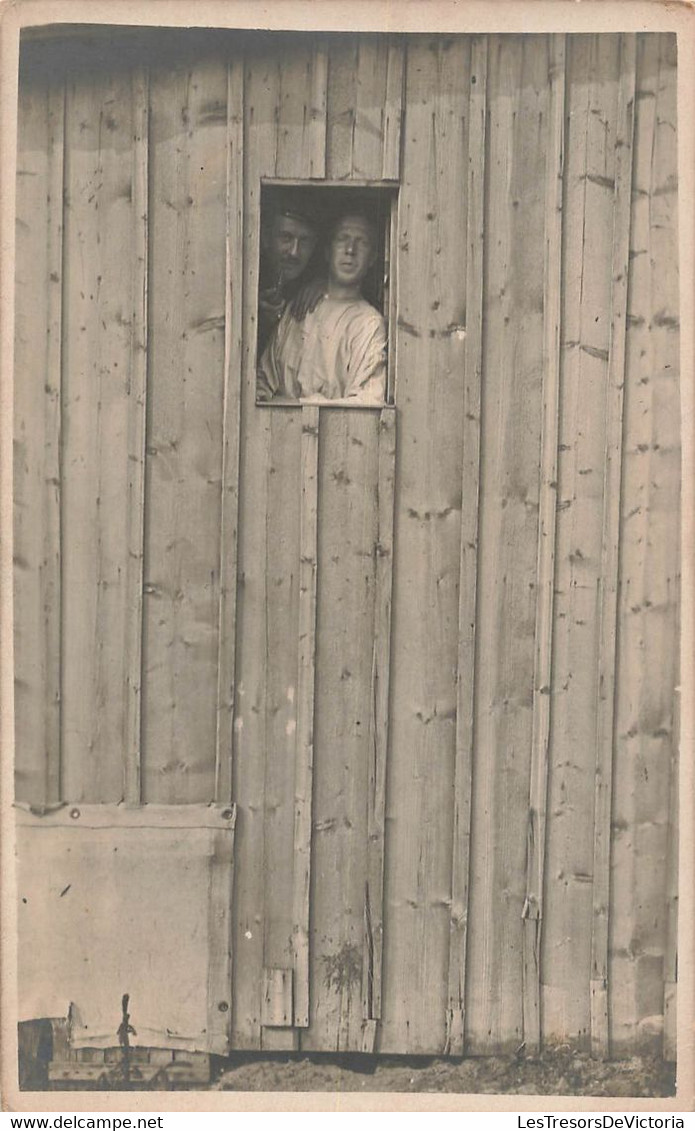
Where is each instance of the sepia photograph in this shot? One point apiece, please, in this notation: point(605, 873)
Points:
point(346, 420)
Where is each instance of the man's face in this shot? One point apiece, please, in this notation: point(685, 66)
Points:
point(351, 251)
point(290, 246)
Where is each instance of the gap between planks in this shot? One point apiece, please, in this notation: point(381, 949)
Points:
point(610, 555)
point(52, 578)
point(231, 433)
point(545, 574)
point(137, 433)
point(381, 680)
point(304, 750)
point(465, 683)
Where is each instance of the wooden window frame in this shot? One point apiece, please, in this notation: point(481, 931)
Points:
point(391, 190)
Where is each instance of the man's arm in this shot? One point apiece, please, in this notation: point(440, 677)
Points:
point(267, 373)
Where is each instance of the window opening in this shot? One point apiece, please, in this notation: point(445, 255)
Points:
point(325, 295)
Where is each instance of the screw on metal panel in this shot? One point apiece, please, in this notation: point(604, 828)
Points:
point(227, 814)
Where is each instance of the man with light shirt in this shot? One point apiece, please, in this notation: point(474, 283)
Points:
point(338, 351)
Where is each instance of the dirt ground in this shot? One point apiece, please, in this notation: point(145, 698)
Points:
point(560, 1072)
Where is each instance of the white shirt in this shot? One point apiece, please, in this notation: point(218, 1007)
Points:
point(337, 351)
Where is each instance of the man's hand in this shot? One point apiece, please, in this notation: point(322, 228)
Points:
point(271, 304)
point(307, 298)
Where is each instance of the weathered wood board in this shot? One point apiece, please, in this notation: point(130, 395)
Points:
point(417, 648)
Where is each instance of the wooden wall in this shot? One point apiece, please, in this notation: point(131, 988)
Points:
point(429, 653)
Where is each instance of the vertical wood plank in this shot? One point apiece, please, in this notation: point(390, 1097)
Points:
point(188, 155)
point(102, 338)
point(231, 440)
point(136, 438)
point(314, 141)
point(293, 109)
point(282, 566)
point(344, 708)
point(364, 108)
point(299, 150)
point(465, 685)
point(513, 344)
point(370, 97)
point(250, 711)
point(37, 432)
point(532, 912)
point(608, 584)
point(304, 759)
point(340, 107)
point(591, 97)
point(380, 685)
point(393, 110)
point(220, 967)
point(648, 590)
point(671, 946)
point(432, 245)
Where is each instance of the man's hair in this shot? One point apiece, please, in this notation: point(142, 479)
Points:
point(294, 210)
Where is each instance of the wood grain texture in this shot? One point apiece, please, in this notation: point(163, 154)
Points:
point(345, 641)
point(219, 950)
point(299, 150)
point(250, 712)
point(137, 428)
point(610, 553)
point(430, 398)
point(591, 95)
point(513, 343)
point(306, 672)
point(37, 431)
point(282, 565)
point(314, 140)
point(188, 154)
point(363, 108)
point(393, 110)
point(372, 975)
point(545, 568)
point(231, 439)
point(102, 395)
point(469, 565)
point(648, 615)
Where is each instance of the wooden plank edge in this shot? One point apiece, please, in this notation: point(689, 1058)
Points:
point(231, 434)
point(610, 557)
point(465, 680)
point(304, 749)
point(52, 580)
point(379, 725)
point(315, 159)
point(671, 948)
point(545, 560)
point(220, 896)
point(393, 111)
point(137, 439)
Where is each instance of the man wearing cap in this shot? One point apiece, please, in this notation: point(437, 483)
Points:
point(338, 351)
point(288, 242)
